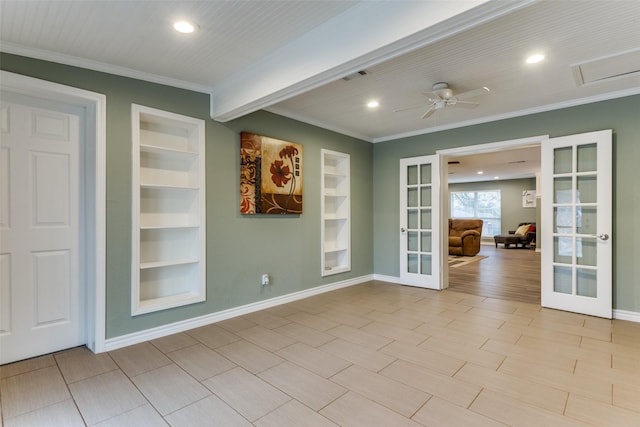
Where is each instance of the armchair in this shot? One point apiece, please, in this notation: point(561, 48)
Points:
point(464, 236)
point(524, 236)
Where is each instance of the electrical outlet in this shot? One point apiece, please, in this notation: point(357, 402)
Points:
point(265, 279)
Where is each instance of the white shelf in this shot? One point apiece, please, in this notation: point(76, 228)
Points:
point(336, 213)
point(169, 268)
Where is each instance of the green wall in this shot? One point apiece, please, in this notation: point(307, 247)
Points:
point(621, 115)
point(239, 248)
point(511, 211)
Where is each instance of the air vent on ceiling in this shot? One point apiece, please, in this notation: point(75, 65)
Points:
point(615, 66)
point(355, 75)
point(517, 161)
point(454, 162)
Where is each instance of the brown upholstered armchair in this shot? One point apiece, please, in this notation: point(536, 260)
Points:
point(464, 236)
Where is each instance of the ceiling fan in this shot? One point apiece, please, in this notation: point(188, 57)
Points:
point(441, 96)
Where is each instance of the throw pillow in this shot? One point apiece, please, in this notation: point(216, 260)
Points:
point(522, 230)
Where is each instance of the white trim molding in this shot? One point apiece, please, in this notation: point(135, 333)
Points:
point(631, 316)
point(207, 319)
point(95, 106)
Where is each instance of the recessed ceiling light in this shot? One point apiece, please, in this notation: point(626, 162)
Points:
point(480, 172)
point(496, 177)
point(373, 104)
point(184, 27)
point(535, 58)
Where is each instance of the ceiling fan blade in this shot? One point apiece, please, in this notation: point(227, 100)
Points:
point(464, 104)
point(429, 112)
point(409, 107)
point(472, 93)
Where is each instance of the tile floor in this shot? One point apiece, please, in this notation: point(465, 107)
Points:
point(375, 354)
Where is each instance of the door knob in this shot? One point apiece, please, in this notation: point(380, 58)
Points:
point(402, 229)
point(603, 236)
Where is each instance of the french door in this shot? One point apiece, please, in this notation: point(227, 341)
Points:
point(420, 246)
point(576, 212)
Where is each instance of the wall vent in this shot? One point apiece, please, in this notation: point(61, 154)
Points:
point(355, 75)
point(623, 64)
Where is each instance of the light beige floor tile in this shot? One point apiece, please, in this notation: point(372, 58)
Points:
point(453, 390)
point(251, 357)
point(573, 329)
point(613, 348)
point(312, 321)
point(63, 414)
point(265, 338)
point(169, 388)
point(543, 334)
point(317, 361)
point(514, 412)
point(173, 342)
point(539, 395)
point(144, 415)
point(371, 359)
point(395, 319)
point(304, 334)
point(506, 317)
point(28, 365)
point(354, 410)
point(611, 375)
point(283, 310)
point(538, 357)
point(294, 413)
point(565, 350)
point(32, 390)
point(467, 329)
point(439, 412)
point(463, 351)
point(345, 318)
point(627, 396)
point(562, 380)
point(236, 324)
point(601, 414)
point(313, 390)
point(266, 319)
point(360, 337)
point(249, 395)
point(387, 392)
point(394, 333)
point(626, 364)
point(201, 362)
point(453, 335)
point(80, 363)
point(105, 396)
point(139, 358)
point(213, 336)
point(433, 360)
point(210, 411)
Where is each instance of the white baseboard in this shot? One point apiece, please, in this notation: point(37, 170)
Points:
point(631, 316)
point(196, 322)
point(390, 279)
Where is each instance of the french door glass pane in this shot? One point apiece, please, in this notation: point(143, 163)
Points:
point(586, 283)
point(412, 175)
point(425, 219)
point(425, 174)
point(425, 196)
point(562, 160)
point(412, 197)
point(412, 219)
point(412, 263)
point(587, 158)
point(588, 250)
point(425, 241)
point(563, 219)
point(563, 249)
point(562, 280)
point(412, 241)
point(562, 190)
point(587, 192)
point(588, 220)
point(425, 264)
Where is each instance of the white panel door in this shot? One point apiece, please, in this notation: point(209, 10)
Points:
point(40, 309)
point(576, 223)
point(420, 222)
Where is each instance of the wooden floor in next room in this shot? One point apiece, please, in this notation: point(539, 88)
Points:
point(511, 274)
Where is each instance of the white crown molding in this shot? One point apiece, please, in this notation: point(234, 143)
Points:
point(75, 61)
point(207, 319)
point(519, 113)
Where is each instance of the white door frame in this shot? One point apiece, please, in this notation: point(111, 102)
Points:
point(94, 162)
point(444, 181)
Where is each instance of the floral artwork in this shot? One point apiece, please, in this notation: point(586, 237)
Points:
point(270, 175)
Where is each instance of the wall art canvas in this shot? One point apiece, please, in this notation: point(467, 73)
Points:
point(270, 175)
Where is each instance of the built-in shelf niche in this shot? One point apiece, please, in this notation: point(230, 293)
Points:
point(169, 264)
point(336, 213)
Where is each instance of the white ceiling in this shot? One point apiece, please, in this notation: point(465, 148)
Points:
point(289, 57)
